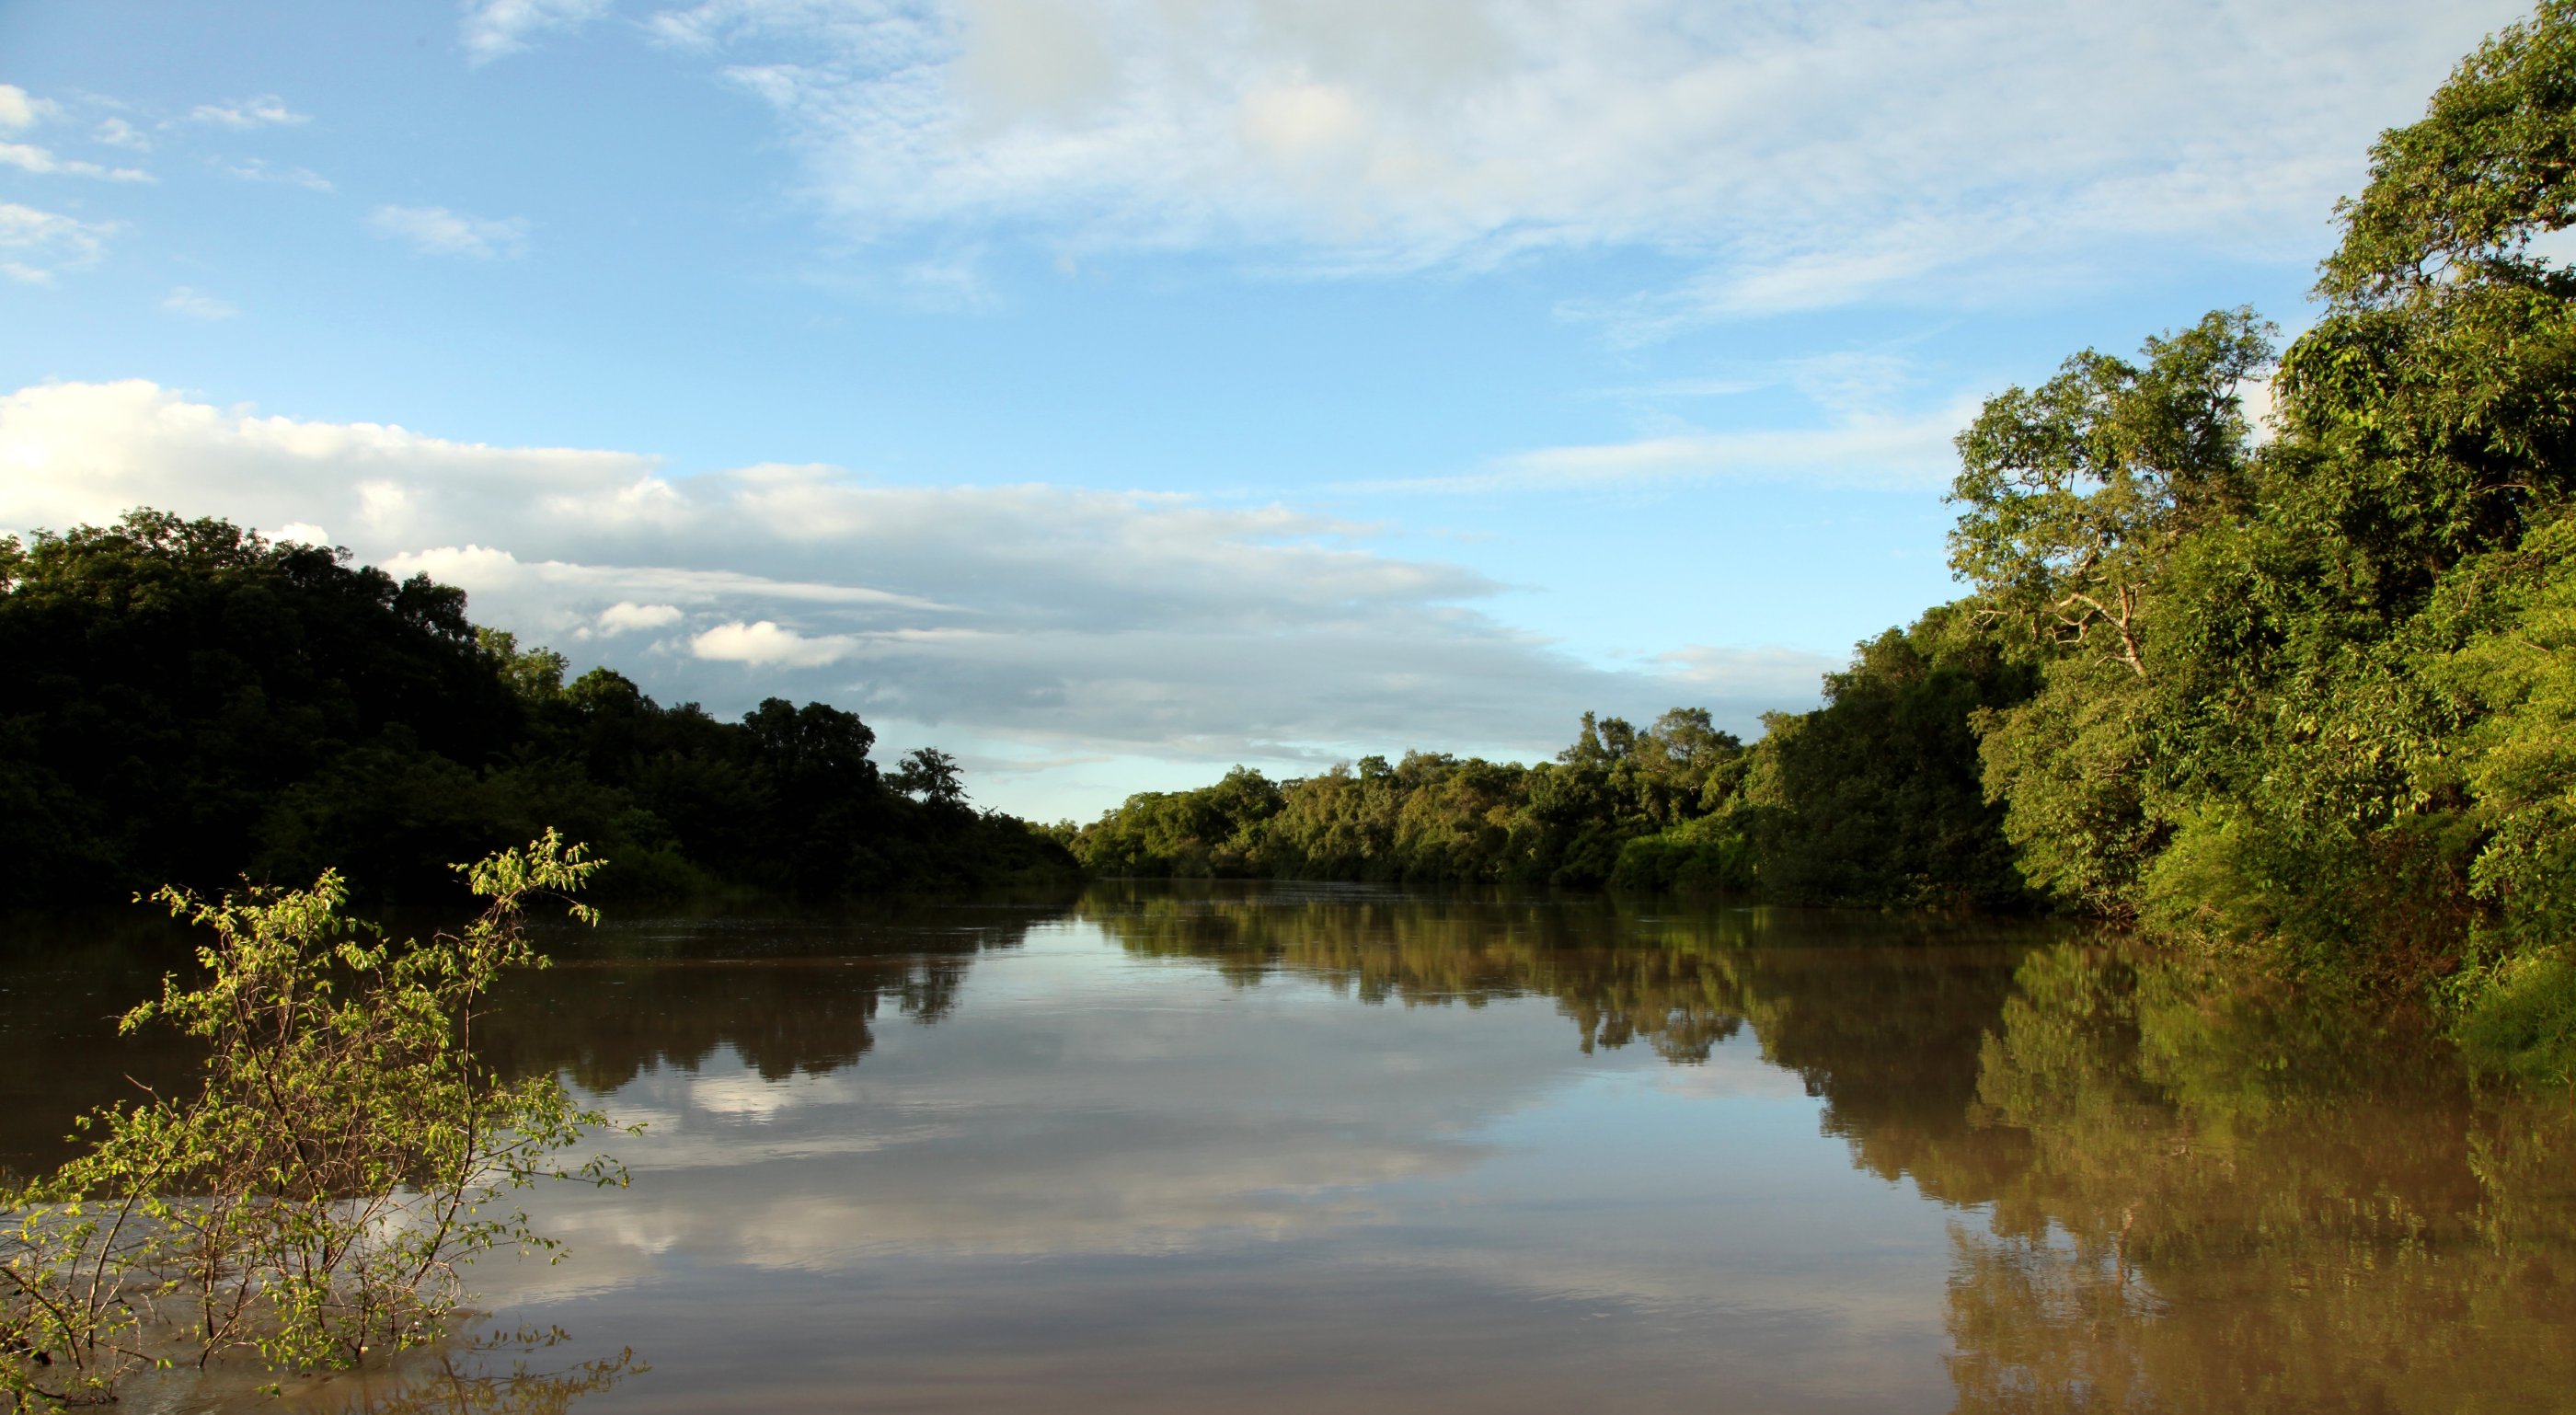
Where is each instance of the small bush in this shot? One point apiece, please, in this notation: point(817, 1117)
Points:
point(310, 1202)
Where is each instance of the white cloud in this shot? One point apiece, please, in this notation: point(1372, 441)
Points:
point(258, 170)
point(494, 28)
point(488, 568)
point(1804, 157)
point(32, 158)
point(435, 230)
point(626, 616)
point(1859, 449)
point(116, 132)
point(1054, 622)
point(87, 451)
point(267, 110)
point(19, 111)
point(302, 533)
point(35, 245)
point(197, 305)
point(1789, 675)
point(764, 645)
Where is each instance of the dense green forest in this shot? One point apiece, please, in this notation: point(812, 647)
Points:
point(1873, 799)
point(2297, 688)
point(190, 704)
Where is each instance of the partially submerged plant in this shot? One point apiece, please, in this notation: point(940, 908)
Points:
point(310, 1203)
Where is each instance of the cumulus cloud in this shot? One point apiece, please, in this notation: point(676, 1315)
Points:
point(1061, 622)
point(435, 230)
point(765, 645)
point(1801, 157)
point(197, 305)
point(20, 110)
point(35, 245)
point(267, 110)
point(625, 616)
point(491, 29)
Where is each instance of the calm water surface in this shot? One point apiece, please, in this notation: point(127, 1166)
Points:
point(1320, 1149)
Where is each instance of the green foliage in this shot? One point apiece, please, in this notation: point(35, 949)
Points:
point(2308, 700)
point(2075, 493)
point(1875, 798)
point(170, 678)
point(345, 1149)
point(2518, 1016)
point(195, 703)
point(1710, 855)
point(2515, 760)
point(1872, 799)
point(1435, 818)
point(2076, 499)
point(2493, 162)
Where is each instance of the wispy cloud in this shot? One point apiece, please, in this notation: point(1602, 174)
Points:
point(1861, 450)
point(492, 29)
point(266, 110)
point(31, 158)
point(1800, 158)
point(36, 245)
point(197, 305)
point(116, 132)
point(435, 230)
point(255, 169)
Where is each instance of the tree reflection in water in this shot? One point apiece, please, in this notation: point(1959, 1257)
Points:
point(2188, 1191)
point(2240, 1199)
point(788, 996)
point(461, 1379)
point(2173, 1189)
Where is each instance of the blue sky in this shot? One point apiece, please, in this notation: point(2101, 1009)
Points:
point(1110, 392)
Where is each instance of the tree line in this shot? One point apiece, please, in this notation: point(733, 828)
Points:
point(1873, 799)
point(191, 703)
point(2297, 686)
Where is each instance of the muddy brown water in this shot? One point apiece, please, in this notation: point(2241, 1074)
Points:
point(1277, 1148)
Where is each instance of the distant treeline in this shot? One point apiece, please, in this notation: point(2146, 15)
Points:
point(2305, 690)
point(1874, 799)
point(189, 703)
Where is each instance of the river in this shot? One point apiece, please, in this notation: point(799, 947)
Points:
point(1283, 1148)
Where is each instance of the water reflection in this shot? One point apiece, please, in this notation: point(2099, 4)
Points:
point(2236, 1199)
point(787, 996)
point(1680, 978)
point(64, 980)
point(1281, 1148)
point(521, 1372)
point(1881, 1017)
